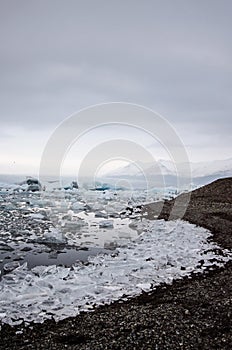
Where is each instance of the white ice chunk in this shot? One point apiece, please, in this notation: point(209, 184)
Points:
point(37, 216)
point(53, 235)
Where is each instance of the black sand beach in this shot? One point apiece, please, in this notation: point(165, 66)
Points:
point(192, 313)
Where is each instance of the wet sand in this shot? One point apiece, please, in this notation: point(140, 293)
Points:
point(192, 313)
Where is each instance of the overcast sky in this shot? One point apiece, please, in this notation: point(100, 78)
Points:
point(59, 56)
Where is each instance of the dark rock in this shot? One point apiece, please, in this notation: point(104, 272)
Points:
point(72, 339)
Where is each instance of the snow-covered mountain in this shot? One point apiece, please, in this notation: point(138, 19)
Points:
point(132, 169)
point(202, 171)
point(137, 169)
point(222, 167)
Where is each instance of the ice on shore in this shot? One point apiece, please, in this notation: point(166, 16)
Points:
point(164, 251)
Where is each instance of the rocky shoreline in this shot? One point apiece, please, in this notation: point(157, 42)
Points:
point(209, 206)
point(192, 313)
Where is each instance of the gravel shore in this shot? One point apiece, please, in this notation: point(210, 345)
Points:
point(192, 313)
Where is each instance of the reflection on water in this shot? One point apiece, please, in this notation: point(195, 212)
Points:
point(45, 256)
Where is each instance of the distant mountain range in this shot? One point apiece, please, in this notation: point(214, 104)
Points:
point(202, 172)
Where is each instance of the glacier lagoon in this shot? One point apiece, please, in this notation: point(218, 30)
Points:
point(66, 251)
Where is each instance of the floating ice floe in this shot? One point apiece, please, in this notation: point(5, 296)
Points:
point(37, 216)
point(101, 214)
point(163, 252)
point(106, 224)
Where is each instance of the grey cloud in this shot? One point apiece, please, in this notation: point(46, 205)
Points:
point(57, 57)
